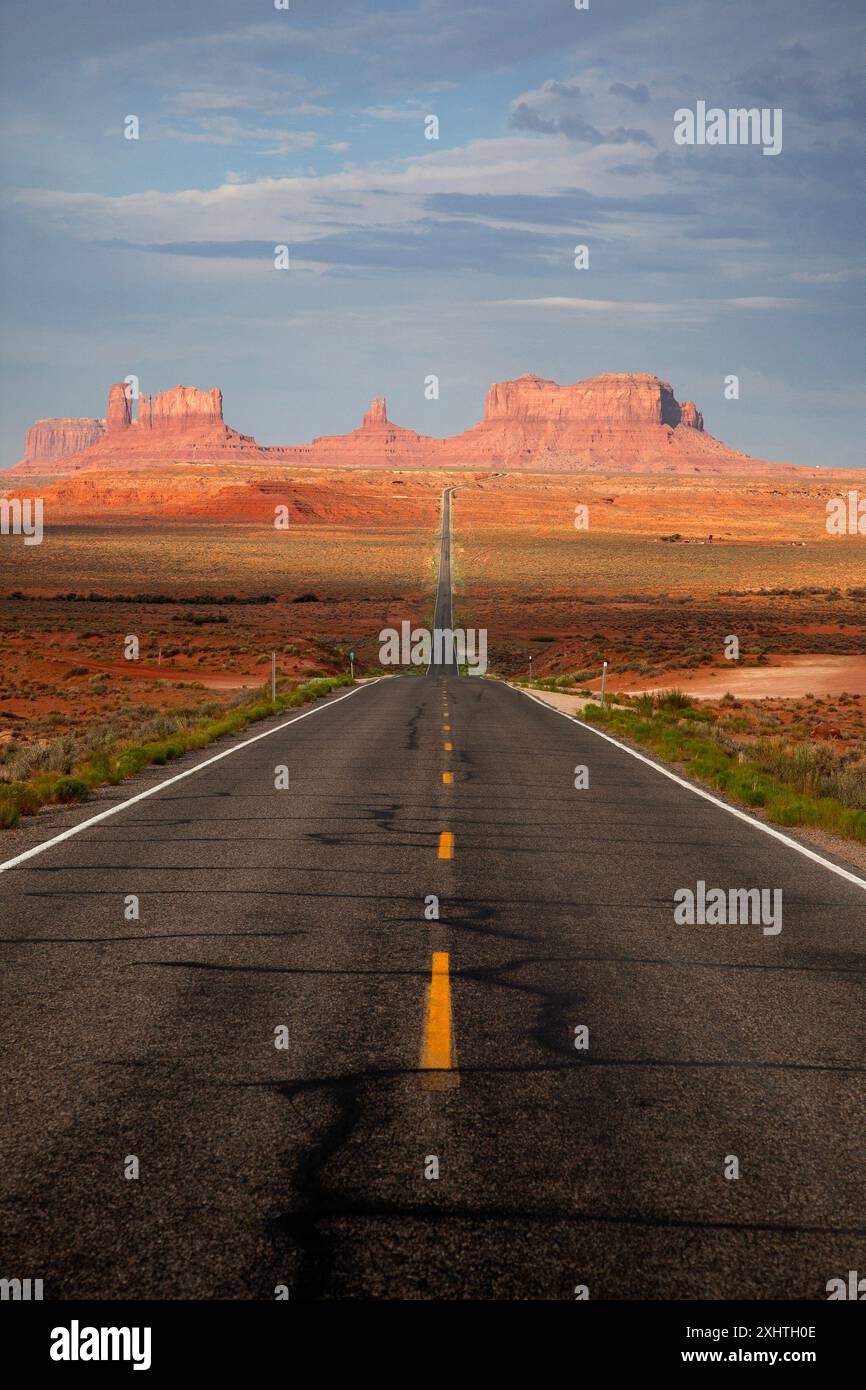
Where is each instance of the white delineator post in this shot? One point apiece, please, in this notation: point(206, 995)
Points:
point(273, 678)
point(603, 682)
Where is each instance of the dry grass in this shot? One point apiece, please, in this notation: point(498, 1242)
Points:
point(62, 660)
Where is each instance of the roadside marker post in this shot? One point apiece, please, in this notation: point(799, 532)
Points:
point(603, 682)
point(273, 678)
point(352, 662)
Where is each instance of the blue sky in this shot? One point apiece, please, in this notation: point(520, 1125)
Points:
point(412, 256)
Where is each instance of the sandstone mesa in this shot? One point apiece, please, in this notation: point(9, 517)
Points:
point(629, 422)
point(48, 440)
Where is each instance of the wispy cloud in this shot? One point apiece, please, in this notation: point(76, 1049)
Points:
point(414, 112)
point(556, 129)
point(227, 130)
point(689, 310)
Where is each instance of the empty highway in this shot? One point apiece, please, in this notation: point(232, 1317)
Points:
point(329, 1088)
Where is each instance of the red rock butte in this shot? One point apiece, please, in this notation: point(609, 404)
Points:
point(629, 422)
point(47, 440)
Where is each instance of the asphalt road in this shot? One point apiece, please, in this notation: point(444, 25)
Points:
point(443, 612)
point(410, 1039)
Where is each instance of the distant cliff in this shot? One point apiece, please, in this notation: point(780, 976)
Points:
point(176, 426)
point(49, 440)
point(628, 422)
point(622, 421)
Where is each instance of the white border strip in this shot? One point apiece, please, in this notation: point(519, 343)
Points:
point(178, 777)
point(699, 791)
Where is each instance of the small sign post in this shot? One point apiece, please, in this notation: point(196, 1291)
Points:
point(603, 682)
point(352, 662)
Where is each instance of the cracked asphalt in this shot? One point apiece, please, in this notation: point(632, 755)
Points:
point(305, 909)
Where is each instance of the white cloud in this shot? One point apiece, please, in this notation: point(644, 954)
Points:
point(228, 130)
point(679, 311)
point(759, 301)
point(385, 196)
point(415, 112)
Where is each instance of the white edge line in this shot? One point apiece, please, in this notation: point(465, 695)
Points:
point(699, 791)
point(178, 777)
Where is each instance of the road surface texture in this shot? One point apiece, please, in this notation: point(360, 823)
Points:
point(443, 612)
point(415, 1044)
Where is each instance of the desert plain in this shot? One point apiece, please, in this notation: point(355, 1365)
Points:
point(650, 573)
point(181, 567)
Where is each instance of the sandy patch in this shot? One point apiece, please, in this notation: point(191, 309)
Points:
point(570, 704)
point(789, 677)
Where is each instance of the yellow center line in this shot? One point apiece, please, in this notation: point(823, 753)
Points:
point(446, 845)
point(447, 778)
point(438, 1052)
point(446, 728)
point(449, 747)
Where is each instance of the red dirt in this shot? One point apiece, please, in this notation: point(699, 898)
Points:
point(788, 677)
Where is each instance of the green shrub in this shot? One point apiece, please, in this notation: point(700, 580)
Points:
point(70, 789)
point(24, 797)
point(794, 783)
point(105, 759)
point(674, 699)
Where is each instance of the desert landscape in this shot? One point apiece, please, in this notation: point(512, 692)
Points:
point(612, 529)
point(432, 673)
